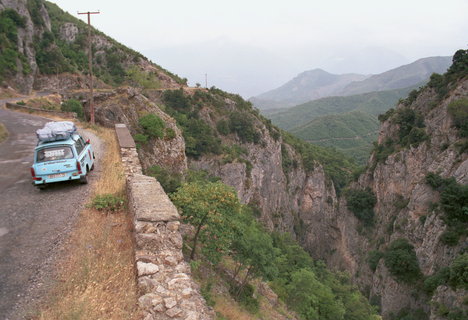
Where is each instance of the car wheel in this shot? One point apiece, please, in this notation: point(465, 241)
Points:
point(84, 179)
point(41, 186)
point(92, 167)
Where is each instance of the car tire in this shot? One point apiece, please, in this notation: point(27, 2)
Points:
point(92, 167)
point(41, 186)
point(84, 179)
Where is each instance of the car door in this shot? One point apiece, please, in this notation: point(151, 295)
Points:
point(80, 148)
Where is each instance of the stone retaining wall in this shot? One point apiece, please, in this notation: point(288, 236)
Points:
point(167, 290)
point(15, 106)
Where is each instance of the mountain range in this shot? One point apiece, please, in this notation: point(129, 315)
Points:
point(317, 83)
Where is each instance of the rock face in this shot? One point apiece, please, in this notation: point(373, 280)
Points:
point(24, 82)
point(126, 106)
point(404, 208)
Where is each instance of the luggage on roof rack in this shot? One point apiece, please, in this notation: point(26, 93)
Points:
point(56, 130)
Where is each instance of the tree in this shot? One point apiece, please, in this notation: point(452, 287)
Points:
point(312, 299)
point(253, 250)
point(211, 208)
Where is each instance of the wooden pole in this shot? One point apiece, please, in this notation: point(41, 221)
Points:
point(90, 67)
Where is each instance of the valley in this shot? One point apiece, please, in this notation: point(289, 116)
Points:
point(278, 219)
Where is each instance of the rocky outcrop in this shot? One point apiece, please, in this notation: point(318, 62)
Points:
point(24, 81)
point(127, 105)
point(404, 206)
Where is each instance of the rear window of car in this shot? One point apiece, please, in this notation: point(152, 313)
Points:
point(54, 153)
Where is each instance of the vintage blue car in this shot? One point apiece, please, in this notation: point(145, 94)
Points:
point(62, 160)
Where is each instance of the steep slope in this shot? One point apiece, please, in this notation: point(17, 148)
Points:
point(309, 85)
point(350, 133)
point(373, 103)
point(401, 77)
point(46, 49)
point(403, 227)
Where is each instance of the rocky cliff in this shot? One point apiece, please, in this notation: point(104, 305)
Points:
point(421, 141)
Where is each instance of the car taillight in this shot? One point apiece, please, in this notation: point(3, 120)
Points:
point(78, 167)
point(33, 173)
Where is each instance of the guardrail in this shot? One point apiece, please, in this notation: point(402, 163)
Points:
point(167, 290)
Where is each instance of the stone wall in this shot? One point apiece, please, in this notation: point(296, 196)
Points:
point(166, 288)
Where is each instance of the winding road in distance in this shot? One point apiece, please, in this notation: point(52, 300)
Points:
point(33, 223)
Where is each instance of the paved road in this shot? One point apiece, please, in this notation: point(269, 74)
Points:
point(33, 223)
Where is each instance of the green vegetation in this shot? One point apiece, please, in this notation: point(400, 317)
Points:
point(454, 204)
point(107, 202)
point(455, 275)
point(140, 78)
point(152, 125)
point(361, 203)
point(211, 208)
point(374, 258)
point(3, 132)
point(242, 124)
point(458, 109)
point(170, 181)
point(10, 21)
point(224, 227)
point(350, 133)
point(410, 132)
point(199, 137)
point(442, 84)
point(373, 103)
point(73, 105)
point(337, 166)
point(400, 259)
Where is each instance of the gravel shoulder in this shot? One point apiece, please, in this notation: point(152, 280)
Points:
point(34, 224)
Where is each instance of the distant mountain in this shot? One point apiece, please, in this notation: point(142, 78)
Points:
point(315, 84)
point(400, 77)
point(307, 86)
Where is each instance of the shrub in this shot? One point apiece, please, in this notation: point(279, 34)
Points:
point(152, 125)
point(459, 111)
point(400, 259)
point(450, 237)
point(374, 258)
point(439, 278)
point(107, 202)
point(243, 125)
point(141, 138)
point(73, 105)
point(223, 127)
point(454, 202)
point(361, 203)
point(169, 134)
point(458, 277)
point(176, 99)
point(170, 181)
point(386, 115)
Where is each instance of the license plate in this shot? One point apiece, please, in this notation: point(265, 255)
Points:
point(58, 175)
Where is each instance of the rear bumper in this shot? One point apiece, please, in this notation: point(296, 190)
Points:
point(45, 179)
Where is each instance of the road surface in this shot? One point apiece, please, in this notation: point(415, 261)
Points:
point(33, 223)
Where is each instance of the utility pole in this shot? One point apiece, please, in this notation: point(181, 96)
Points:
point(90, 66)
point(206, 80)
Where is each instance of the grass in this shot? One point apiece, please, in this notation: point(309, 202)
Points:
point(3, 132)
point(97, 278)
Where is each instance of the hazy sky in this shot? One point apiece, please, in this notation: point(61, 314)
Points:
point(249, 46)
